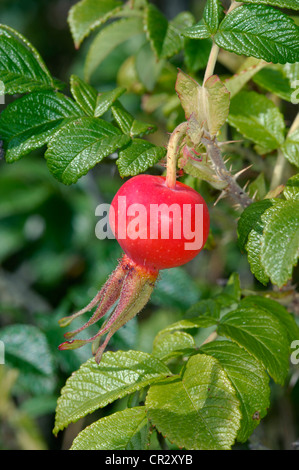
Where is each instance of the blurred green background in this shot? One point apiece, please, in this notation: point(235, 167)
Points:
point(52, 264)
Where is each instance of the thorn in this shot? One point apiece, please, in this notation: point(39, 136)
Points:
point(245, 185)
point(239, 173)
point(227, 160)
point(254, 195)
point(229, 142)
point(221, 196)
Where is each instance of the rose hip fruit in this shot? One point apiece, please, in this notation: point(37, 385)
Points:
point(158, 227)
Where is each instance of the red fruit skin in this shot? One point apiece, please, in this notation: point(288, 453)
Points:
point(159, 253)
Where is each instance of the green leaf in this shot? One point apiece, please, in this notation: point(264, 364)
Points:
point(196, 58)
point(213, 15)
point(197, 409)
point(253, 248)
point(106, 99)
point(21, 68)
point(249, 218)
point(124, 430)
point(169, 345)
point(27, 349)
point(165, 37)
point(128, 124)
point(262, 335)
point(148, 68)
point(215, 101)
point(274, 80)
point(80, 145)
point(291, 190)
point(207, 308)
point(258, 119)
point(276, 309)
point(198, 31)
point(280, 243)
point(189, 92)
point(291, 4)
point(138, 156)
point(108, 39)
point(27, 123)
point(249, 380)
point(84, 94)
point(95, 385)
point(290, 148)
point(259, 31)
point(87, 15)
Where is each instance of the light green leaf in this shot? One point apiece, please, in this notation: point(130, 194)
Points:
point(138, 156)
point(189, 92)
point(95, 385)
point(84, 94)
point(291, 4)
point(249, 380)
point(258, 119)
point(169, 345)
point(108, 39)
point(27, 123)
point(259, 31)
point(291, 190)
point(128, 124)
point(198, 409)
point(165, 37)
point(198, 31)
point(247, 70)
point(215, 101)
point(124, 430)
point(262, 335)
point(21, 67)
point(106, 99)
point(87, 15)
point(290, 148)
point(148, 68)
point(280, 243)
point(80, 145)
point(253, 248)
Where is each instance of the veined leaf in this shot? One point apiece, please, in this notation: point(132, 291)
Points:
point(259, 31)
point(189, 92)
point(213, 15)
point(262, 335)
point(165, 37)
point(95, 385)
point(128, 124)
point(84, 94)
point(138, 156)
point(172, 345)
point(80, 145)
point(249, 379)
point(290, 148)
point(215, 101)
point(27, 123)
point(106, 99)
point(258, 119)
point(280, 243)
point(273, 79)
point(253, 248)
point(108, 39)
point(291, 4)
point(123, 430)
point(249, 218)
point(291, 190)
point(86, 15)
point(21, 67)
point(198, 409)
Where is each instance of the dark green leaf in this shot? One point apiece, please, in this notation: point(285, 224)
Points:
point(138, 156)
point(106, 99)
point(213, 15)
point(128, 124)
point(80, 145)
point(84, 94)
point(29, 122)
point(273, 79)
point(291, 4)
point(260, 31)
point(249, 218)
